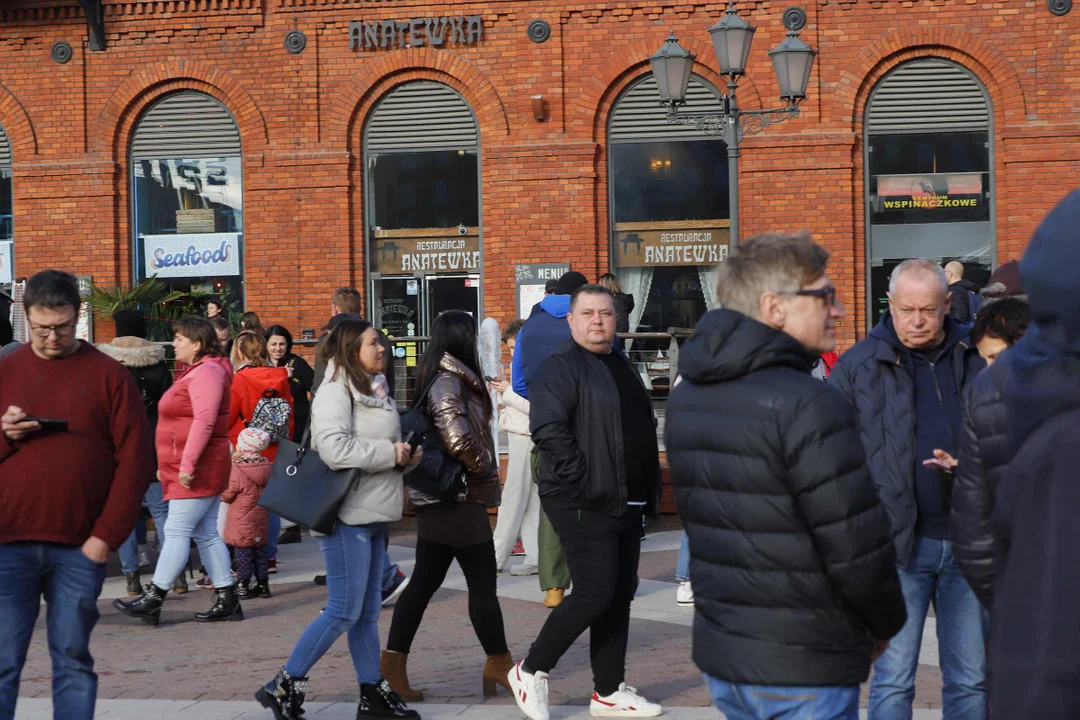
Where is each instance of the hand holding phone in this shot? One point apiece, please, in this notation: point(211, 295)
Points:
point(49, 424)
point(16, 425)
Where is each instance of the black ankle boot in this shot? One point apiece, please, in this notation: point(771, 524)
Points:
point(261, 589)
point(242, 589)
point(379, 701)
point(146, 607)
point(134, 584)
point(226, 607)
point(289, 536)
point(284, 695)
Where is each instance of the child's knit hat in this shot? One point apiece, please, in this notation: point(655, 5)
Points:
point(252, 441)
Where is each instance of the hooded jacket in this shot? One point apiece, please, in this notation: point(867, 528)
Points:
point(960, 307)
point(984, 461)
point(624, 305)
point(246, 524)
point(456, 405)
point(544, 331)
point(193, 430)
point(146, 363)
point(794, 572)
point(1034, 666)
point(248, 387)
point(877, 376)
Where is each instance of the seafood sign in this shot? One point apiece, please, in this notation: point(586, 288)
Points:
point(195, 255)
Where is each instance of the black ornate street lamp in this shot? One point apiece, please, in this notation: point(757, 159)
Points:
point(731, 38)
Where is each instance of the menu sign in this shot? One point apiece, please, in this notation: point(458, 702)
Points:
point(398, 255)
point(671, 248)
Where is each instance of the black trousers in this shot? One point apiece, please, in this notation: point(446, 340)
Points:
point(602, 553)
point(432, 561)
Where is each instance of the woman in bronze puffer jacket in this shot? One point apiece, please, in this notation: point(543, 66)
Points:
point(461, 409)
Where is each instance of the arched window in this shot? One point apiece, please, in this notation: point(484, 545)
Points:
point(669, 215)
point(929, 177)
point(422, 159)
point(187, 196)
point(7, 220)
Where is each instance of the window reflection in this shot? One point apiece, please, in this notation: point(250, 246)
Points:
point(426, 190)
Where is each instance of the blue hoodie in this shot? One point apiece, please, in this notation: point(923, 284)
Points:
point(1035, 669)
point(544, 331)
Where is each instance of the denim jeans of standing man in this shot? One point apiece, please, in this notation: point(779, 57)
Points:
point(71, 584)
point(765, 702)
point(354, 557)
point(682, 565)
point(159, 510)
point(933, 576)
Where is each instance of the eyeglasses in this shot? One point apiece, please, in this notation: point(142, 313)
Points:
point(827, 294)
point(44, 331)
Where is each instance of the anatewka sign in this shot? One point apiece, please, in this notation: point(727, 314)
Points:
point(416, 32)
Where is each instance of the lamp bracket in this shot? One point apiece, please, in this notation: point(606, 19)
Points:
point(95, 23)
point(746, 122)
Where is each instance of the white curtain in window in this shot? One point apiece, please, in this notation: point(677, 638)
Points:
point(707, 276)
point(636, 282)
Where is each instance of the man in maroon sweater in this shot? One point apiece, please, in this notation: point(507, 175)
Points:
point(68, 493)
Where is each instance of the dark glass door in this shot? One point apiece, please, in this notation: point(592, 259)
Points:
point(452, 293)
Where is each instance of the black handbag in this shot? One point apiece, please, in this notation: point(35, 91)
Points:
point(303, 489)
point(437, 474)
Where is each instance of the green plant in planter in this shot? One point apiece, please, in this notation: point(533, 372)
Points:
point(105, 301)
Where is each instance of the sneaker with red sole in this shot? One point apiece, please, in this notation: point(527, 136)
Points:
point(204, 583)
point(271, 566)
point(625, 702)
point(519, 549)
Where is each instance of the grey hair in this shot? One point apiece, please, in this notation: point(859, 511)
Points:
point(921, 267)
point(771, 262)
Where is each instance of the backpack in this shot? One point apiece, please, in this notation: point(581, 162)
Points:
point(271, 414)
point(975, 304)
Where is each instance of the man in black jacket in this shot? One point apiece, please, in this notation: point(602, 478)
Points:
point(906, 381)
point(593, 425)
point(795, 584)
point(965, 301)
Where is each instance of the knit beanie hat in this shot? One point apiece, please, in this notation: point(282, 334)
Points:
point(252, 441)
point(1005, 282)
point(570, 282)
point(130, 323)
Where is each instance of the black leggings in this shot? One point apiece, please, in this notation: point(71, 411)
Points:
point(432, 561)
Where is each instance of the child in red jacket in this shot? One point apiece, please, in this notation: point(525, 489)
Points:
point(247, 524)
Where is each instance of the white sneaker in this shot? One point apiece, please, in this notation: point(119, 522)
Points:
point(530, 691)
point(625, 702)
point(524, 569)
point(685, 595)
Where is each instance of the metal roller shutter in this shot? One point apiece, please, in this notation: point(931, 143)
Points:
point(421, 116)
point(928, 96)
point(5, 150)
point(186, 124)
point(639, 116)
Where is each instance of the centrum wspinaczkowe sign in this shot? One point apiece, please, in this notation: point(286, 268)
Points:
point(405, 255)
point(671, 247)
point(938, 191)
point(416, 32)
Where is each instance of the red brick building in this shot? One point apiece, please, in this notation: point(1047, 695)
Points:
point(425, 175)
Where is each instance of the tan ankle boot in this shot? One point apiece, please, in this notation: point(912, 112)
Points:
point(393, 668)
point(496, 670)
point(554, 597)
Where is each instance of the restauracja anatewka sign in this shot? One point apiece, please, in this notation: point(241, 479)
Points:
point(417, 32)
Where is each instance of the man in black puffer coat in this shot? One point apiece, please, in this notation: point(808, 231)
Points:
point(795, 584)
point(984, 448)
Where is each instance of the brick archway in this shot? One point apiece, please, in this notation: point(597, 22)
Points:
point(17, 126)
point(625, 65)
point(852, 90)
point(354, 102)
point(117, 119)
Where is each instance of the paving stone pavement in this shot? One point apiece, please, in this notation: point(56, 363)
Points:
point(188, 662)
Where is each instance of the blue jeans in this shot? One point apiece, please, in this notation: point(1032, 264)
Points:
point(159, 510)
point(274, 525)
point(71, 584)
point(933, 576)
point(193, 518)
point(765, 702)
point(682, 567)
point(354, 556)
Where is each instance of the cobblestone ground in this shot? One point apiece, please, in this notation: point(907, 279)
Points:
point(185, 660)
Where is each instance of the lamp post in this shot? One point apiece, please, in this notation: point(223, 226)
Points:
point(731, 38)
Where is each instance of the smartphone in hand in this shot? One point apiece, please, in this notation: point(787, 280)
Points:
point(49, 424)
